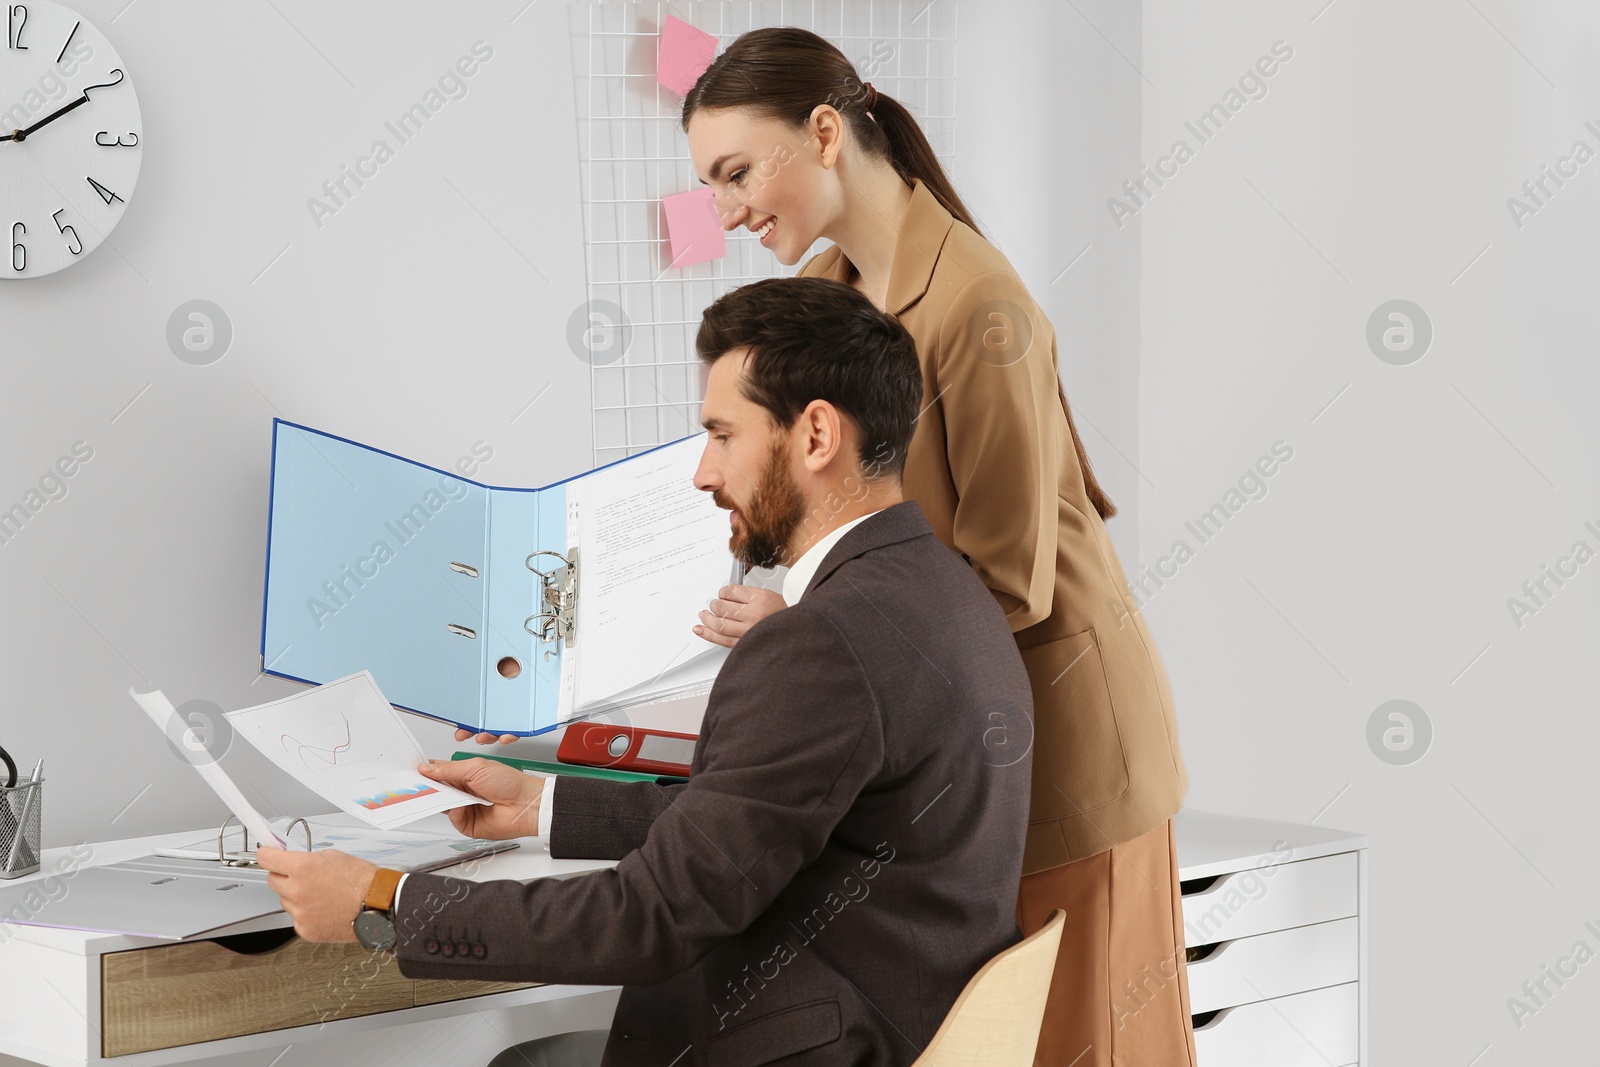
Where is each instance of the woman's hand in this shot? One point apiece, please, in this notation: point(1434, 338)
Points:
point(513, 797)
point(734, 611)
point(486, 739)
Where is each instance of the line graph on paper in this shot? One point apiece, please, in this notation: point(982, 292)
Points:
point(292, 743)
point(346, 743)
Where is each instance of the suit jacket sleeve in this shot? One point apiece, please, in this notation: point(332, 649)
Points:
point(603, 820)
point(995, 379)
point(792, 736)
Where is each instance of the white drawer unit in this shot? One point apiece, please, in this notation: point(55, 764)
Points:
point(1273, 923)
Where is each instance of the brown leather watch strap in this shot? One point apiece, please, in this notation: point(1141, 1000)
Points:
point(381, 894)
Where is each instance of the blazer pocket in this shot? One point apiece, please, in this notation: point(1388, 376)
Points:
point(1078, 762)
point(772, 1037)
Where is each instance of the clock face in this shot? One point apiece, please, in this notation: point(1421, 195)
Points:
point(70, 138)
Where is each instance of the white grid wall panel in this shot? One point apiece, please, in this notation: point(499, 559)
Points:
point(633, 153)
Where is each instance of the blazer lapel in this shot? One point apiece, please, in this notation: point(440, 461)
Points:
point(900, 522)
point(916, 251)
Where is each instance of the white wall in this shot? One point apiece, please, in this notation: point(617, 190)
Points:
point(1047, 120)
point(422, 317)
point(1379, 563)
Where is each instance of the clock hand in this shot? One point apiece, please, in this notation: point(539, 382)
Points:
point(20, 135)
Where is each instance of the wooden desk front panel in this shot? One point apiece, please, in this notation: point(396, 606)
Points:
point(170, 995)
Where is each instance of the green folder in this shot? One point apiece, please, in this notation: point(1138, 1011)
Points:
point(573, 769)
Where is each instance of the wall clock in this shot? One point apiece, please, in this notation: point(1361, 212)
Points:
point(70, 139)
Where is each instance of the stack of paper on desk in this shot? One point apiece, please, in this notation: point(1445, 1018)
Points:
point(497, 609)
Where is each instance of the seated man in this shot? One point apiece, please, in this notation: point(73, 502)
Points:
point(846, 852)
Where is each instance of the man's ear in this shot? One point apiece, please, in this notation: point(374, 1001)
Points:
point(822, 435)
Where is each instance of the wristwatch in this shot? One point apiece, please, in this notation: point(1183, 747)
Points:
point(375, 925)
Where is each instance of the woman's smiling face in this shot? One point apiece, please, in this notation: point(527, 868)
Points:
point(767, 176)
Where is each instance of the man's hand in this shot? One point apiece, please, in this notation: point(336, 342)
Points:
point(736, 609)
point(514, 797)
point(323, 892)
point(486, 738)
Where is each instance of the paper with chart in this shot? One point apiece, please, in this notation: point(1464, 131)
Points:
point(165, 716)
point(346, 743)
point(654, 550)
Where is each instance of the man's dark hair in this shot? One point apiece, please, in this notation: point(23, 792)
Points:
point(815, 339)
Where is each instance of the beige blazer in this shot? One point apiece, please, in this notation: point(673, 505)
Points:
point(993, 466)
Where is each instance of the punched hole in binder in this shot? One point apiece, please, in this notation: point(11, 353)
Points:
point(509, 667)
point(464, 631)
point(465, 568)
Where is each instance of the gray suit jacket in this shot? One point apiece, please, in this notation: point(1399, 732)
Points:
point(843, 858)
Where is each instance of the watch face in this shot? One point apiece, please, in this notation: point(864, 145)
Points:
point(375, 930)
point(70, 138)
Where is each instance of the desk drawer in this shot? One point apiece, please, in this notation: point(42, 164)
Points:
point(170, 995)
point(1265, 899)
point(1315, 1029)
point(1274, 965)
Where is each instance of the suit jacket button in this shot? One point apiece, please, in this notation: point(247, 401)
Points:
point(431, 946)
point(447, 948)
point(463, 948)
point(479, 951)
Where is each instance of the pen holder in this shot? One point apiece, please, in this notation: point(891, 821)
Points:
point(20, 826)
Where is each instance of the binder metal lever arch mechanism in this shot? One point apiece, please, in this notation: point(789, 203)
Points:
point(557, 623)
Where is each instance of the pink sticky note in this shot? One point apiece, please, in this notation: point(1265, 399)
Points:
point(693, 227)
point(682, 55)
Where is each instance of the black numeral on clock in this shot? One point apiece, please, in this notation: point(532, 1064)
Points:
point(68, 41)
point(105, 194)
point(67, 229)
point(19, 255)
point(105, 85)
point(126, 140)
point(16, 18)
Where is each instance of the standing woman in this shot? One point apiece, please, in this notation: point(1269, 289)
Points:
point(797, 148)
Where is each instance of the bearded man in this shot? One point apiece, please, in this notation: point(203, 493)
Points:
point(846, 852)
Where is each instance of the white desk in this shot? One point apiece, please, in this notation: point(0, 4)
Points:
point(1279, 910)
point(51, 1009)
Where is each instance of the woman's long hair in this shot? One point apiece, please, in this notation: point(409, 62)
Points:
point(784, 72)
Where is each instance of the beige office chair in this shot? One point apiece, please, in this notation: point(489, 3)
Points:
point(995, 1021)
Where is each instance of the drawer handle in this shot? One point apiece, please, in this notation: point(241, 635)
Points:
point(1196, 953)
point(1203, 888)
point(257, 943)
point(1210, 1020)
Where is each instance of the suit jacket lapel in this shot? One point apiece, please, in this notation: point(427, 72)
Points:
point(901, 522)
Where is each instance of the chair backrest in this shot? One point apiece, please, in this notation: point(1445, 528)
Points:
point(995, 1021)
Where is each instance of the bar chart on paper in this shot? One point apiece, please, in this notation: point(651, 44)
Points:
point(392, 797)
point(345, 742)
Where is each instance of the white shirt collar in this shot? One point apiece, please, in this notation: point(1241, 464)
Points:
point(800, 574)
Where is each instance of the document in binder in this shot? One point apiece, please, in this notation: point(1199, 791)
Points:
point(498, 609)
